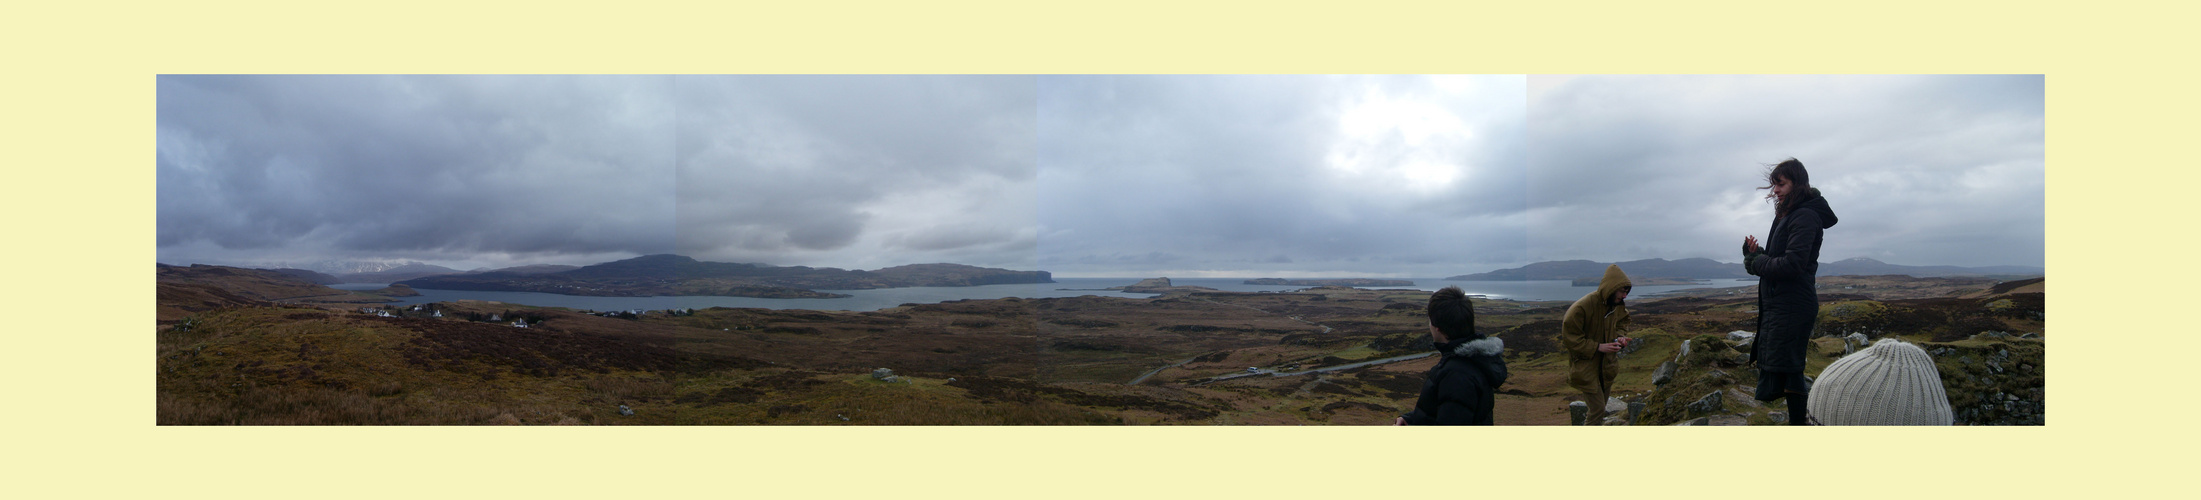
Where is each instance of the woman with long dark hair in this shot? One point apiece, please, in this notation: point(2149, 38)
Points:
point(1787, 268)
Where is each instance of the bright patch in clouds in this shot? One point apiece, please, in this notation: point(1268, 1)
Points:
point(1387, 139)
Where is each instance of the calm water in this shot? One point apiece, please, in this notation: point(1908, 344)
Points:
point(871, 300)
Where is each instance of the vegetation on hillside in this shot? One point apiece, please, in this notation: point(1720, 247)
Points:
point(225, 358)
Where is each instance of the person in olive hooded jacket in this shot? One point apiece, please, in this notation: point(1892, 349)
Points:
point(1463, 387)
point(1590, 333)
point(1787, 268)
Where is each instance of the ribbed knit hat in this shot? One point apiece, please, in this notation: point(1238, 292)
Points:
point(1890, 383)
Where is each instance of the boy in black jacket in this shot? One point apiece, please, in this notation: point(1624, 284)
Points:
point(1461, 388)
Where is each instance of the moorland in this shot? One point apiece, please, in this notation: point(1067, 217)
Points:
point(257, 348)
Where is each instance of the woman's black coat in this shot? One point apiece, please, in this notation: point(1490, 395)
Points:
point(1788, 299)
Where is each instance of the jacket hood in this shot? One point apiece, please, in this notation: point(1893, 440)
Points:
point(1485, 355)
point(1614, 281)
point(1817, 203)
point(1486, 346)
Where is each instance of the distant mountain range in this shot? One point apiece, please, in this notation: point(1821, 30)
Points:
point(1700, 268)
point(216, 286)
point(667, 274)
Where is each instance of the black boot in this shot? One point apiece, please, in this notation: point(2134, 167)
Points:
point(1796, 408)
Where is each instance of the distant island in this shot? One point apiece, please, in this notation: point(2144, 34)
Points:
point(669, 275)
point(1329, 282)
point(1158, 285)
point(1704, 269)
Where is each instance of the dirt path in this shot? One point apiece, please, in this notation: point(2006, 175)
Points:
point(1150, 373)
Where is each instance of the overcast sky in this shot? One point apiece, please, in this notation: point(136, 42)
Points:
point(1921, 170)
point(1282, 176)
point(1087, 175)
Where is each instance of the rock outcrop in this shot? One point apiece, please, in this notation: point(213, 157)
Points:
point(1706, 379)
point(1993, 382)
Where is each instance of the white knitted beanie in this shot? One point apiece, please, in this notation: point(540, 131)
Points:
point(1890, 383)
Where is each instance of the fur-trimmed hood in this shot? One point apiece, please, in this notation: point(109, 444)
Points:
point(1484, 355)
point(1486, 346)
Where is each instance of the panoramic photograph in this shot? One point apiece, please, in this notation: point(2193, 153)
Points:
point(1547, 250)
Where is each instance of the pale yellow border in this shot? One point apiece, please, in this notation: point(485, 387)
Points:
point(78, 147)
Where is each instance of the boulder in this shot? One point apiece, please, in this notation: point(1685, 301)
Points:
point(1664, 373)
point(1708, 350)
point(624, 410)
point(1710, 403)
point(1741, 336)
point(1719, 377)
point(1577, 412)
point(1635, 409)
point(1853, 342)
point(882, 374)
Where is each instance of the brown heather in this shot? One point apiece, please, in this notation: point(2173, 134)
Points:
point(1061, 361)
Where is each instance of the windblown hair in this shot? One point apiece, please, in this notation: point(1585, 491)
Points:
point(1799, 179)
point(1450, 311)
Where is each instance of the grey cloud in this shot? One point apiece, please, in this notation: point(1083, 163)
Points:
point(790, 169)
point(414, 165)
point(1090, 174)
point(1223, 168)
point(1923, 170)
point(778, 169)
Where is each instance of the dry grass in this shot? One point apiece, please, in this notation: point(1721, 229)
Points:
point(1017, 362)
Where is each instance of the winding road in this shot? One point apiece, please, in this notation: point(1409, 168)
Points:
point(1347, 366)
point(1272, 373)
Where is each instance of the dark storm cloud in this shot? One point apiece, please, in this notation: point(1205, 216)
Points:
point(1923, 170)
point(416, 167)
point(1364, 174)
point(864, 170)
point(830, 171)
